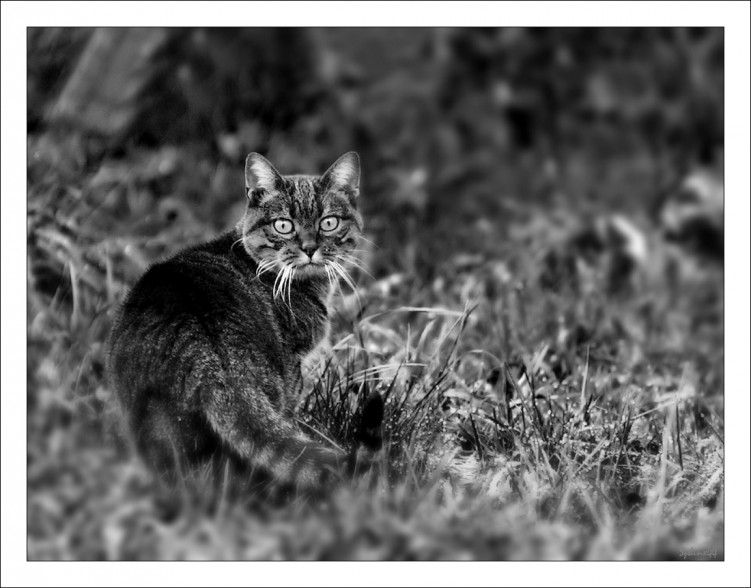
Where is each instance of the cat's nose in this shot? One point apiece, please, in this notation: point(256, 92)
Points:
point(310, 250)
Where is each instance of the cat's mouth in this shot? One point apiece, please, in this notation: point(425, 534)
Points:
point(309, 268)
point(331, 269)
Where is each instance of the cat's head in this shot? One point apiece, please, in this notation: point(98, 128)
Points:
point(302, 226)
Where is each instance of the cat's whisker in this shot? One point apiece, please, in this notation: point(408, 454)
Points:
point(345, 276)
point(330, 274)
point(278, 282)
point(285, 284)
point(349, 255)
point(333, 279)
point(265, 266)
point(274, 288)
point(369, 241)
point(240, 240)
point(359, 264)
point(357, 267)
point(290, 277)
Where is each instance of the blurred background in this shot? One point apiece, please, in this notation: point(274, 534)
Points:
point(461, 132)
point(569, 181)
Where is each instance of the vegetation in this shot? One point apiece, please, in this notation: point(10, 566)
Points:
point(542, 401)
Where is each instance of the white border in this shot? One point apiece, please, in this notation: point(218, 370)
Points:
point(18, 15)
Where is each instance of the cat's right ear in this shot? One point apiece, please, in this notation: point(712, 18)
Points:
point(260, 177)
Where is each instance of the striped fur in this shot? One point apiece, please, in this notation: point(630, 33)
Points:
point(205, 354)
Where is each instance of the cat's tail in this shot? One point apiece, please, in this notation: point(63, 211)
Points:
point(297, 460)
point(270, 441)
point(274, 443)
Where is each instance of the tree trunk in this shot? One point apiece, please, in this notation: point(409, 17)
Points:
point(102, 94)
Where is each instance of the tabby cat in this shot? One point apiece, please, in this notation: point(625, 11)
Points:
point(205, 354)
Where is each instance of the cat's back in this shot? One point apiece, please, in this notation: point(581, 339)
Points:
point(200, 283)
point(202, 277)
point(205, 299)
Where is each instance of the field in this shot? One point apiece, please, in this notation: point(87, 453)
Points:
point(550, 393)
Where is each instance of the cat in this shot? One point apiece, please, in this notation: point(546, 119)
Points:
point(205, 353)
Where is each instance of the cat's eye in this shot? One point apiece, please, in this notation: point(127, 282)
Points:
point(283, 226)
point(329, 223)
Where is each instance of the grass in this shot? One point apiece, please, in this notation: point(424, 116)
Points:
point(521, 422)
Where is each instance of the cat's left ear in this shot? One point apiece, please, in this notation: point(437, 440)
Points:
point(344, 174)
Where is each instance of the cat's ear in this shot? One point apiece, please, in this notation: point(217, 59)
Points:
point(260, 175)
point(345, 174)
